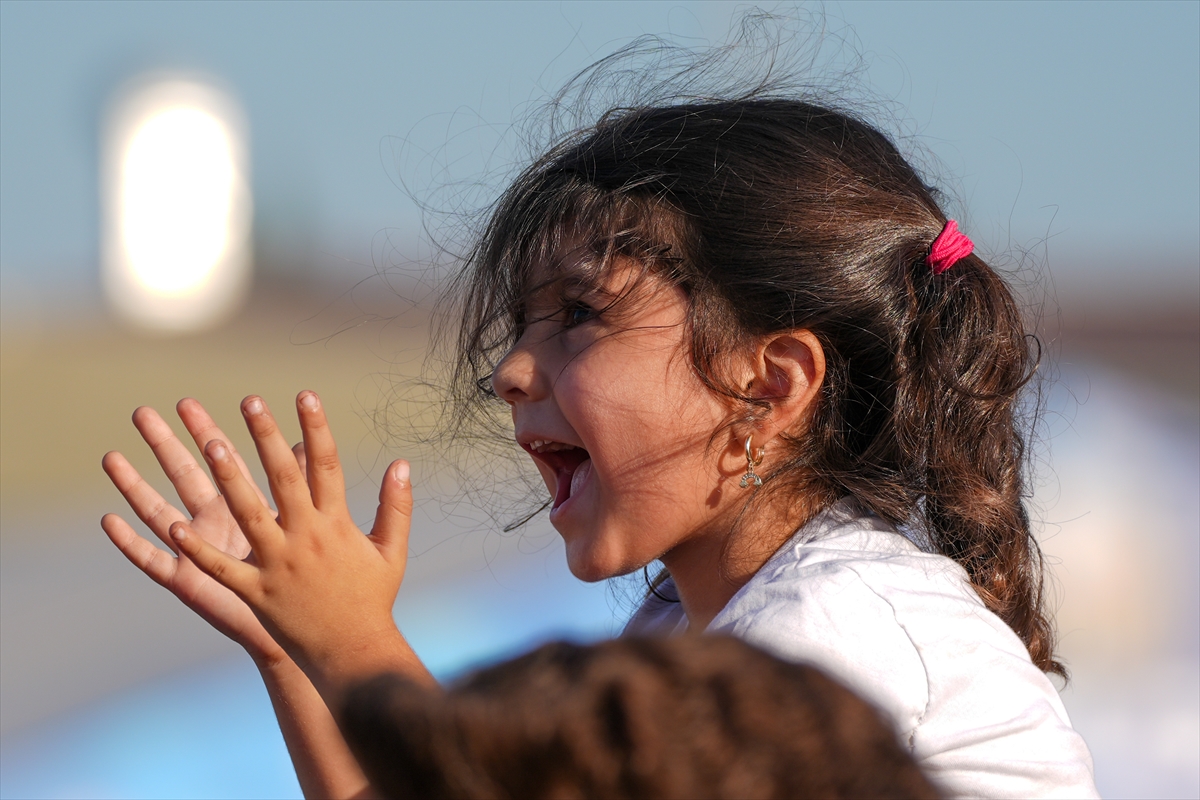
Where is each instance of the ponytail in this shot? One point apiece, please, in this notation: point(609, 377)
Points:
point(967, 359)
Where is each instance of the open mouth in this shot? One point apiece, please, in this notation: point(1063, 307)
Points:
point(571, 466)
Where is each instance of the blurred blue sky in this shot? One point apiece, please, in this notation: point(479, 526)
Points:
point(1074, 121)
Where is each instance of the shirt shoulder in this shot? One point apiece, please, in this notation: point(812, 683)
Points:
point(826, 612)
point(905, 629)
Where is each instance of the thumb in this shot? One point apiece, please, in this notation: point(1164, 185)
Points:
point(394, 517)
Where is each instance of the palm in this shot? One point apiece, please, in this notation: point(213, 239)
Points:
point(212, 601)
point(210, 519)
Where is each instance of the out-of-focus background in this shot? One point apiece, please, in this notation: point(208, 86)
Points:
point(1071, 132)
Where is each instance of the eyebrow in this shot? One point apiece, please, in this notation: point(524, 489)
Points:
point(566, 283)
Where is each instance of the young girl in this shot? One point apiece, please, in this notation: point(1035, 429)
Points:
point(739, 337)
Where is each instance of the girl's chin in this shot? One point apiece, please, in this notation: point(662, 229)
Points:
point(588, 565)
point(593, 573)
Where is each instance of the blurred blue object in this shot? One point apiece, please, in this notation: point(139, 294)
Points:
point(210, 731)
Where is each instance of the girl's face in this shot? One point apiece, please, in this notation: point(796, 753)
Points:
point(619, 425)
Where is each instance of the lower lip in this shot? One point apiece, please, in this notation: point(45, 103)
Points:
point(578, 484)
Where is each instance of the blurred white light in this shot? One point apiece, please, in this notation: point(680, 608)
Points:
point(177, 205)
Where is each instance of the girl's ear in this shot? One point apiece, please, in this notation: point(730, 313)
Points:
point(789, 369)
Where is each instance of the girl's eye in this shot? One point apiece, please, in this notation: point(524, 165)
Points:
point(576, 313)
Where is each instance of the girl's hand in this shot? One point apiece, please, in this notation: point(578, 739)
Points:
point(211, 521)
point(321, 588)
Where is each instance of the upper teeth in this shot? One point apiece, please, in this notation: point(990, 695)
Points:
point(549, 446)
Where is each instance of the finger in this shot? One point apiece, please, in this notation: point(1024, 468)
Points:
point(255, 519)
point(301, 457)
point(325, 480)
point(288, 486)
point(393, 519)
point(226, 570)
point(156, 563)
point(203, 430)
point(188, 478)
point(148, 504)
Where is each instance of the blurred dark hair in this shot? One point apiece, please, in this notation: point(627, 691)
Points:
point(685, 717)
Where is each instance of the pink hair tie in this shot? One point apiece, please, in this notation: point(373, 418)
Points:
point(948, 248)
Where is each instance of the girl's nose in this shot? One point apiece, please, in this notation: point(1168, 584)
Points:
point(517, 377)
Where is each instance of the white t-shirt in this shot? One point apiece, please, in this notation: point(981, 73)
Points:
point(905, 630)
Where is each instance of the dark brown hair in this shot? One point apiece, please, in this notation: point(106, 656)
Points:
point(775, 214)
point(685, 717)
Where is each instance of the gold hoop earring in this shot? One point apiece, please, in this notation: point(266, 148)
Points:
point(751, 478)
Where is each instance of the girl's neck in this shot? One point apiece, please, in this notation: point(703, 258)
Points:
point(710, 568)
point(704, 586)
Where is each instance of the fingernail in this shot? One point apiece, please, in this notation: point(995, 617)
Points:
point(254, 406)
point(178, 533)
point(216, 450)
point(400, 473)
point(309, 401)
